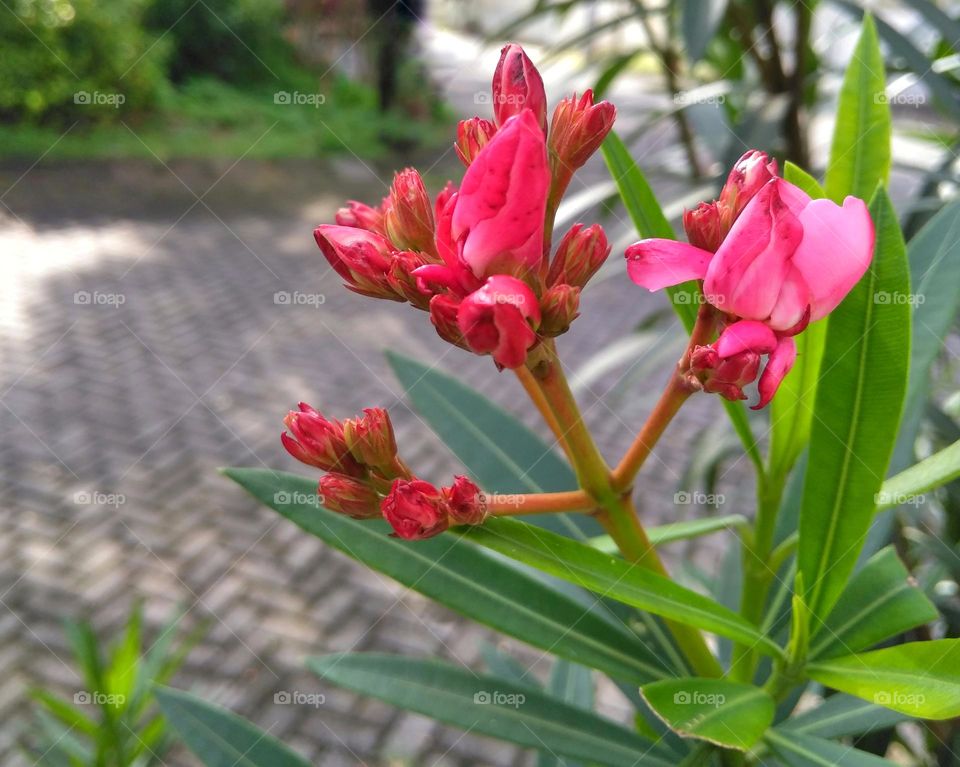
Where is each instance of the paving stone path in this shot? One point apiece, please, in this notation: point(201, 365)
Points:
point(142, 345)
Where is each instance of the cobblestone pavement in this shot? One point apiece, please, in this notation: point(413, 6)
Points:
point(141, 347)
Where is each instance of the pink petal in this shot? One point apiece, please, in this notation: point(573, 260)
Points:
point(655, 264)
point(836, 250)
point(778, 365)
point(745, 275)
point(746, 335)
point(499, 213)
point(792, 302)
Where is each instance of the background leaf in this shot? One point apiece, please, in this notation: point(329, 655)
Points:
point(807, 751)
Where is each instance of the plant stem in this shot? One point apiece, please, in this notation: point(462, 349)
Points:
point(538, 503)
point(616, 512)
point(532, 387)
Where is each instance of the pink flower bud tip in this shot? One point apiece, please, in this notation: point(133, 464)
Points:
point(371, 440)
point(517, 85)
point(472, 136)
point(581, 252)
point(349, 496)
point(362, 258)
point(500, 319)
point(319, 442)
point(465, 502)
point(409, 213)
point(578, 128)
point(415, 510)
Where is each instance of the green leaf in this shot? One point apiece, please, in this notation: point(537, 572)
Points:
point(489, 706)
point(220, 738)
point(699, 22)
point(931, 473)
point(921, 679)
point(728, 714)
point(648, 218)
point(880, 602)
point(799, 177)
point(841, 715)
point(64, 712)
point(616, 579)
point(860, 154)
point(807, 751)
point(677, 531)
point(466, 579)
point(857, 408)
point(572, 684)
point(502, 454)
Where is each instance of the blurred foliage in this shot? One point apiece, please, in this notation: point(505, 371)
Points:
point(112, 721)
point(55, 51)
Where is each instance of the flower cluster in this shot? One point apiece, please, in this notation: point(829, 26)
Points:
point(366, 479)
point(771, 260)
point(477, 256)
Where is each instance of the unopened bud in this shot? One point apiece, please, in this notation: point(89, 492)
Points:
point(361, 216)
point(361, 257)
point(346, 495)
point(577, 130)
point(408, 216)
point(472, 136)
point(750, 173)
point(725, 377)
point(318, 441)
point(443, 314)
point(559, 307)
point(517, 85)
point(415, 510)
point(464, 502)
point(580, 254)
point(370, 438)
point(403, 281)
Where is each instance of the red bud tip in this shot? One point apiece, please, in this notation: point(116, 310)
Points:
point(346, 495)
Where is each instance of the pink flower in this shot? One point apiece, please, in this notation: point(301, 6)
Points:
point(465, 502)
point(360, 256)
point(498, 219)
point(415, 510)
point(318, 441)
point(517, 85)
point(786, 261)
point(500, 319)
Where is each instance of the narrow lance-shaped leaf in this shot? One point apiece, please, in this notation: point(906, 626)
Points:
point(490, 706)
point(857, 408)
point(841, 715)
point(931, 473)
point(921, 679)
point(615, 578)
point(796, 750)
point(860, 154)
point(466, 579)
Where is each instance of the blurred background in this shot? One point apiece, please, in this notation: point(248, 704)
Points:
point(162, 304)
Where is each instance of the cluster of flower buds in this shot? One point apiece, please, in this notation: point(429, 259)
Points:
point(771, 260)
point(477, 257)
point(366, 479)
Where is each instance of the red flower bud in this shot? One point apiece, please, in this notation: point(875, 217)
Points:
point(443, 315)
point(361, 257)
point(318, 442)
point(346, 495)
point(496, 319)
point(402, 280)
point(580, 254)
point(577, 130)
point(408, 216)
point(702, 225)
point(361, 216)
point(725, 377)
point(517, 85)
point(465, 502)
point(472, 136)
point(748, 176)
point(370, 438)
point(415, 510)
point(559, 307)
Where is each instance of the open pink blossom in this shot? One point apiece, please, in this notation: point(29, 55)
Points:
point(786, 261)
point(500, 319)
